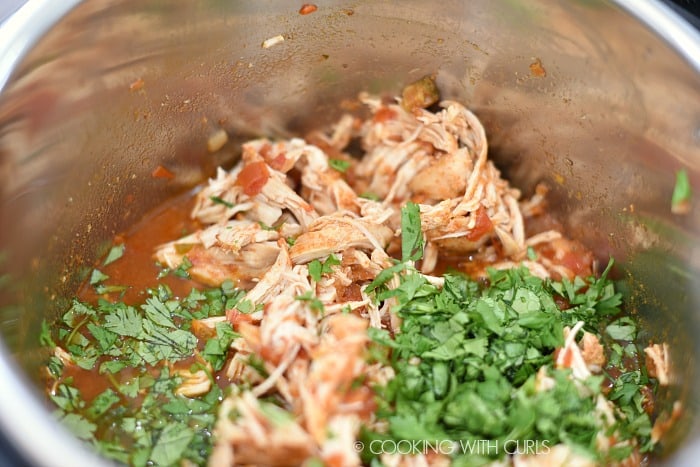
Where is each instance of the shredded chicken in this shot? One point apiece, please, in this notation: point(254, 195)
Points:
point(194, 383)
point(288, 207)
point(334, 233)
point(559, 455)
point(657, 362)
point(237, 248)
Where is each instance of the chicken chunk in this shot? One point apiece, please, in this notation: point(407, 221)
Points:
point(251, 432)
point(657, 362)
point(331, 234)
point(592, 352)
point(239, 250)
point(443, 177)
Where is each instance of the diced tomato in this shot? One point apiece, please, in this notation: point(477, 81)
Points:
point(362, 395)
point(568, 358)
point(253, 178)
point(561, 302)
point(579, 261)
point(202, 331)
point(334, 460)
point(235, 317)
point(647, 399)
point(278, 162)
point(482, 227)
point(137, 85)
point(162, 172)
point(307, 8)
point(384, 114)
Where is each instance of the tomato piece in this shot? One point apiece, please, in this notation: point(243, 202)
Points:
point(162, 172)
point(384, 114)
point(307, 8)
point(278, 162)
point(253, 178)
point(579, 261)
point(235, 317)
point(482, 226)
point(568, 358)
point(137, 85)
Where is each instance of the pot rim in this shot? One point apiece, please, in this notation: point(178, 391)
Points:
point(661, 19)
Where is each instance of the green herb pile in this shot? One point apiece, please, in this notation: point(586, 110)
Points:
point(467, 355)
point(139, 419)
point(465, 360)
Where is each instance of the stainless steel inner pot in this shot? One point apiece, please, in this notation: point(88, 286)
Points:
point(599, 99)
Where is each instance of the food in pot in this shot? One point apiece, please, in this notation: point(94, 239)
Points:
point(376, 293)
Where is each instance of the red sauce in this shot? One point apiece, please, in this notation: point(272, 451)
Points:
point(482, 226)
point(137, 268)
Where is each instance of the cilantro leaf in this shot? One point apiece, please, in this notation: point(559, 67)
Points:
point(339, 164)
point(216, 349)
point(622, 329)
point(45, 338)
point(97, 276)
point(370, 196)
point(317, 269)
point(411, 233)
point(314, 303)
point(172, 442)
point(102, 402)
point(682, 192)
point(124, 321)
point(219, 200)
point(245, 307)
point(114, 254)
point(79, 426)
point(183, 268)
point(158, 312)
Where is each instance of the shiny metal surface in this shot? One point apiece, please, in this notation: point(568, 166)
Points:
point(615, 115)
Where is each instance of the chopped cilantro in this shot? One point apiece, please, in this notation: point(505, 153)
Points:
point(245, 307)
point(264, 226)
point(79, 426)
point(531, 254)
point(97, 276)
point(171, 444)
point(114, 254)
point(467, 355)
point(139, 417)
point(682, 193)
point(339, 164)
point(411, 233)
point(370, 196)
point(318, 269)
point(218, 200)
point(182, 269)
point(216, 349)
point(622, 329)
point(101, 404)
point(45, 338)
point(314, 302)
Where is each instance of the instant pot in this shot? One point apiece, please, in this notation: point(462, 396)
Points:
point(598, 99)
